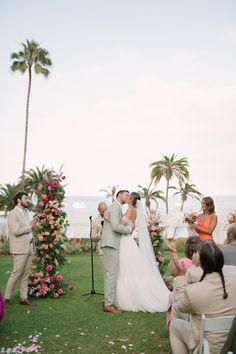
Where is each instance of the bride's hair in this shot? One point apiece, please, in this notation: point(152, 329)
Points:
point(135, 196)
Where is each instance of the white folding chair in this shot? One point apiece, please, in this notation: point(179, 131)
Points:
point(212, 324)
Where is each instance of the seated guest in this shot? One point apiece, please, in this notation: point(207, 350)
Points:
point(229, 251)
point(214, 295)
point(190, 262)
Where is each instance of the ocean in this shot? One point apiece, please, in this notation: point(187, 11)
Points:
point(80, 208)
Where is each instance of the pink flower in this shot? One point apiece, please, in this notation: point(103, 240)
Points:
point(45, 181)
point(43, 215)
point(44, 286)
point(63, 177)
point(49, 268)
point(50, 195)
point(40, 238)
point(60, 292)
point(41, 204)
point(55, 295)
point(51, 278)
point(45, 200)
point(43, 221)
point(42, 280)
point(54, 184)
point(41, 292)
point(59, 278)
point(52, 286)
point(57, 212)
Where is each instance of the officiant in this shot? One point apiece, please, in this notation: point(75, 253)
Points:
point(97, 226)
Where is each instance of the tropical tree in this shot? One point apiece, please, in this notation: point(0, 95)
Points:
point(110, 192)
point(31, 56)
point(188, 190)
point(149, 194)
point(7, 194)
point(34, 178)
point(168, 168)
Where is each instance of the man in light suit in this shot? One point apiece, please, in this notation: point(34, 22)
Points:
point(214, 295)
point(110, 244)
point(97, 226)
point(21, 247)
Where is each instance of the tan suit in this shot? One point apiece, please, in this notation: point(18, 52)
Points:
point(97, 232)
point(21, 247)
point(205, 297)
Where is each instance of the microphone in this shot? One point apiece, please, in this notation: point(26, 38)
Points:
point(90, 217)
point(102, 223)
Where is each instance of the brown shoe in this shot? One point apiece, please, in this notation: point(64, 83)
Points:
point(111, 309)
point(7, 304)
point(27, 302)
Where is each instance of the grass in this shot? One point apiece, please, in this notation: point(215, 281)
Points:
point(77, 324)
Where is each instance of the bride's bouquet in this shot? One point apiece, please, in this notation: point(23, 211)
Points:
point(190, 218)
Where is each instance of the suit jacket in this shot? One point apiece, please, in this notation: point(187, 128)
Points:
point(97, 228)
point(229, 252)
point(112, 230)
point(19, 230)
point(206, 297)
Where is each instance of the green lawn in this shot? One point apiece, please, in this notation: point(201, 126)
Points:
point(77, 324)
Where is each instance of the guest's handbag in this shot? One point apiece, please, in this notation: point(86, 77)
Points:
point(1, 308)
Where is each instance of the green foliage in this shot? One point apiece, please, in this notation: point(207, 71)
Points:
point(149, 194)
point(110, 192)
point(188, 190)
point(4, 247)
point(30, 56)
point(34, 178)
point(168, 168)
point(7, 194)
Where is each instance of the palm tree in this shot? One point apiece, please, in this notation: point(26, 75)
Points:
point(7, 194)
point(150, 194)
point(34, 178)
point(31, 56)
point(110, 192)
point(188, 190)
point(168, 168)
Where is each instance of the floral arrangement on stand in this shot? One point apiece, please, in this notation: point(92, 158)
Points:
point(156, 234)
point(49, 235)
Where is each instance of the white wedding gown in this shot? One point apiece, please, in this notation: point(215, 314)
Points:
point(140, 286)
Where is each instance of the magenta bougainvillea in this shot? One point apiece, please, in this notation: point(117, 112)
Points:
point(49, 234)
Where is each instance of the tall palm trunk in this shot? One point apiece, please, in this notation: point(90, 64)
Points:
point(26, 129)
point(167, 195)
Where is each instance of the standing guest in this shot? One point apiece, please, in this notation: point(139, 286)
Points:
point(229, 251)
point(207, 221)
point(214, 295)
point(97, 226)
point(21, 247)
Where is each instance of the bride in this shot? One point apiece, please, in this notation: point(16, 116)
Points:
point(140, 286)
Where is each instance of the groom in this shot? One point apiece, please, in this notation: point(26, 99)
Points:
point(110, 244)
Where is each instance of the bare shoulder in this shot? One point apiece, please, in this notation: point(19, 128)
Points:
point(131, 213)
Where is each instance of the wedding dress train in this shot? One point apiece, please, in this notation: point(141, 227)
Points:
point(140, 286)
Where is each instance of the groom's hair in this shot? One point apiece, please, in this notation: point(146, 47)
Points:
point(120, 192)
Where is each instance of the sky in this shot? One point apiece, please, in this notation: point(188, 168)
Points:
point(131, 80)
